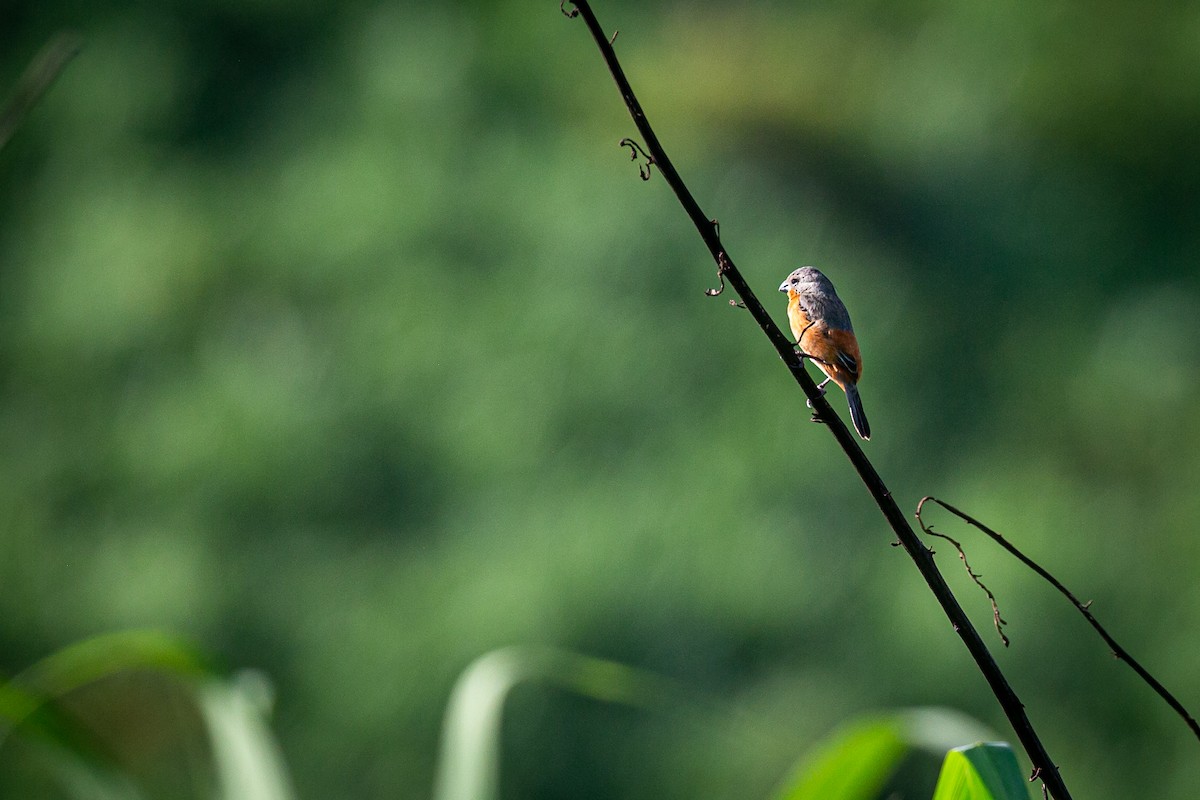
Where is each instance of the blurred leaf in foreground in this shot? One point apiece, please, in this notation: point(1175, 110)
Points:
point(984, 771)
point(893, 756)
point(137, 714)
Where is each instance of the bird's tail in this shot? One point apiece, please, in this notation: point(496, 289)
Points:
point(857, 415)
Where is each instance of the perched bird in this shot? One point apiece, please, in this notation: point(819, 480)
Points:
point(823, 333)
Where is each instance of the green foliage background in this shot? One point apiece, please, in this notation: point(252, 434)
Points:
point(343, 339)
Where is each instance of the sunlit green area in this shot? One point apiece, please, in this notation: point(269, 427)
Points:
point(342, 340)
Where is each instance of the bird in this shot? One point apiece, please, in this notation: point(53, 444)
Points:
point(821, 325)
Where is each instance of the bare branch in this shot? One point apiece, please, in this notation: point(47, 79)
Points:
point(822, 410)
point(1083, 608)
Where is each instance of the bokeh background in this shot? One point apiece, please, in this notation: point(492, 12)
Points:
point(343, 340)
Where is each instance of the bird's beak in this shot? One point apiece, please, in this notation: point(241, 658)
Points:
point(783, 286)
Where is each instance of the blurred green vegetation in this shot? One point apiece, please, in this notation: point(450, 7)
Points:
point(137, 714)
point(343, 340)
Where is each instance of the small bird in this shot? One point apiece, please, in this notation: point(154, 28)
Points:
point(823, 333)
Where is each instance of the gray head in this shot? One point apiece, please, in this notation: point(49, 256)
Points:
point(807, 280)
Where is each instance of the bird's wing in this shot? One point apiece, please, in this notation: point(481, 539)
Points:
point(848, 361)
point(828, 309)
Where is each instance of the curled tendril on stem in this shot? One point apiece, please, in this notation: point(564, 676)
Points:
point(722, 266)
point(636, 152)
point(572, 14)
point(997, 620)
point(1036, 775)
point(720, 288)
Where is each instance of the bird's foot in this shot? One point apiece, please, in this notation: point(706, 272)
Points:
point(820, 390)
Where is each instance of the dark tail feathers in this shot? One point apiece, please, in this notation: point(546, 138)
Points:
point(857, 415)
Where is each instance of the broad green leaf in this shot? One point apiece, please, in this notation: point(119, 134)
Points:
point(853, 766)
point(105, 655)
point(984, 771)
point(82, 749)
point(28, 699)
point(878, 755)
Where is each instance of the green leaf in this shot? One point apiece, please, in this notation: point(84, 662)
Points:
point(984, 771)
point(246, 757)
point(29, 699)
point(882, 754)
point(105, 655)
point(67, 714)
point(853, 766)
point(468, 768)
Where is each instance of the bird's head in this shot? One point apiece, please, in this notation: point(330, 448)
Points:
point(805, 279)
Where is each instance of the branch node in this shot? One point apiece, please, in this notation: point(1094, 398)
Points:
point(636, 152)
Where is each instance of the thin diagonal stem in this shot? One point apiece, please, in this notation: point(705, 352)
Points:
point(1083, 608)
point(1044, 767)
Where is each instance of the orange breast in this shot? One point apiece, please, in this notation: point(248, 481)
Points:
point(816, 338)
